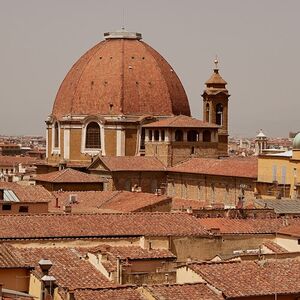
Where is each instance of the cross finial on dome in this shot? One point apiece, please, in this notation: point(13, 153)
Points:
point(216, 62)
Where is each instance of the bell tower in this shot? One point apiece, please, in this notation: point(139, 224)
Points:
point(215, 104)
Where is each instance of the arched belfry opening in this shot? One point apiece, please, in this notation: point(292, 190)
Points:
point(219, 114)
point(92, 138)
point(207, 113)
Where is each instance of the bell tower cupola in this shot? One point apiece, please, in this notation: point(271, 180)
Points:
point(215, 103)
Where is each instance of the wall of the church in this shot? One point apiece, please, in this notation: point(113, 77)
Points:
point(110, 141)
point(208, 188)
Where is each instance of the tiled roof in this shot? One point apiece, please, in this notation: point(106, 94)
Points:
point(192, 291)
point(280, 206)
point(242, 226)
point(291, 230)
point(216, 78)
point(181, 121)
point(9, 259)
point(274, 247)
point(69, 176)
point(131, 163)
point(220, 167)
point(99, 225)
point(121, 76)
point(178, 204)
point(28, 193)
point(10, 161)
point(119, 293)
point(69, 269)
point(96, 201)
point(252, 278)
point(130, 252)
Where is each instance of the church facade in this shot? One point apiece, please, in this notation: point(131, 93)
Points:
point(122, 98)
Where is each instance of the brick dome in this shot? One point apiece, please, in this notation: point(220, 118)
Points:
point(121, 75)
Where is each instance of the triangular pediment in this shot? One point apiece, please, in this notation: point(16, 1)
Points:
point(98, 164)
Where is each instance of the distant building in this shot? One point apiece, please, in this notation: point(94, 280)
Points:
point(279, 173)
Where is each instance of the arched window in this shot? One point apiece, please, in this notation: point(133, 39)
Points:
point(207, 112)
point(178, 135)
point(162, 133)
point(56, 135)
point(219, 114)
point(192, 136)
point(206, 136)
point(92, 137)
point(150, 135)
point(156, 135)
point(143, 138)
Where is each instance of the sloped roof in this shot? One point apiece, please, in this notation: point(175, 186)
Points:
point(9, 259)
point(291, 230)
point(243, 226)
point(180, 122)
point(252, 278)
point(10, 161)
point(97, 201)
point(69, 176)
point(69, 270)
point(280, 206)
point(119, 293)
point(129, 163)
point(99, 225)
point(188, 291)
point(28, 193)
point(220, 167)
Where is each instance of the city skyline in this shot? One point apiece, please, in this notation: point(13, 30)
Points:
point(40, 43)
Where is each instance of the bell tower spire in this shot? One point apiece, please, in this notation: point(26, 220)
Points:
point(215, 103)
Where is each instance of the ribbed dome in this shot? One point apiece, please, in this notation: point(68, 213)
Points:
point(296, 142)
point(121, 75)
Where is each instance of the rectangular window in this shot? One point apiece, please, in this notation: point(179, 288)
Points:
point(283, 175)
point(6, 206)
point(23, 209)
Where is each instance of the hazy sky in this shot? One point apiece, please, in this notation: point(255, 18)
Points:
point(258, 44)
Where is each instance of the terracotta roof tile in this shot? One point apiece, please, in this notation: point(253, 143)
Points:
point(291, 230)
point(274, 247)
point(194, 291)
point(243, 226)
point(219, 167)
point(9, 259)
point(15, 160)
point(97, 201)
point(28, 193)
point(120, 293)
point(123, 77)
point(99, 225)
point(181, 121)
point(68, 268)
point(70, 176)
point(131, 163)
point(178, 204)
point(252, 278)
